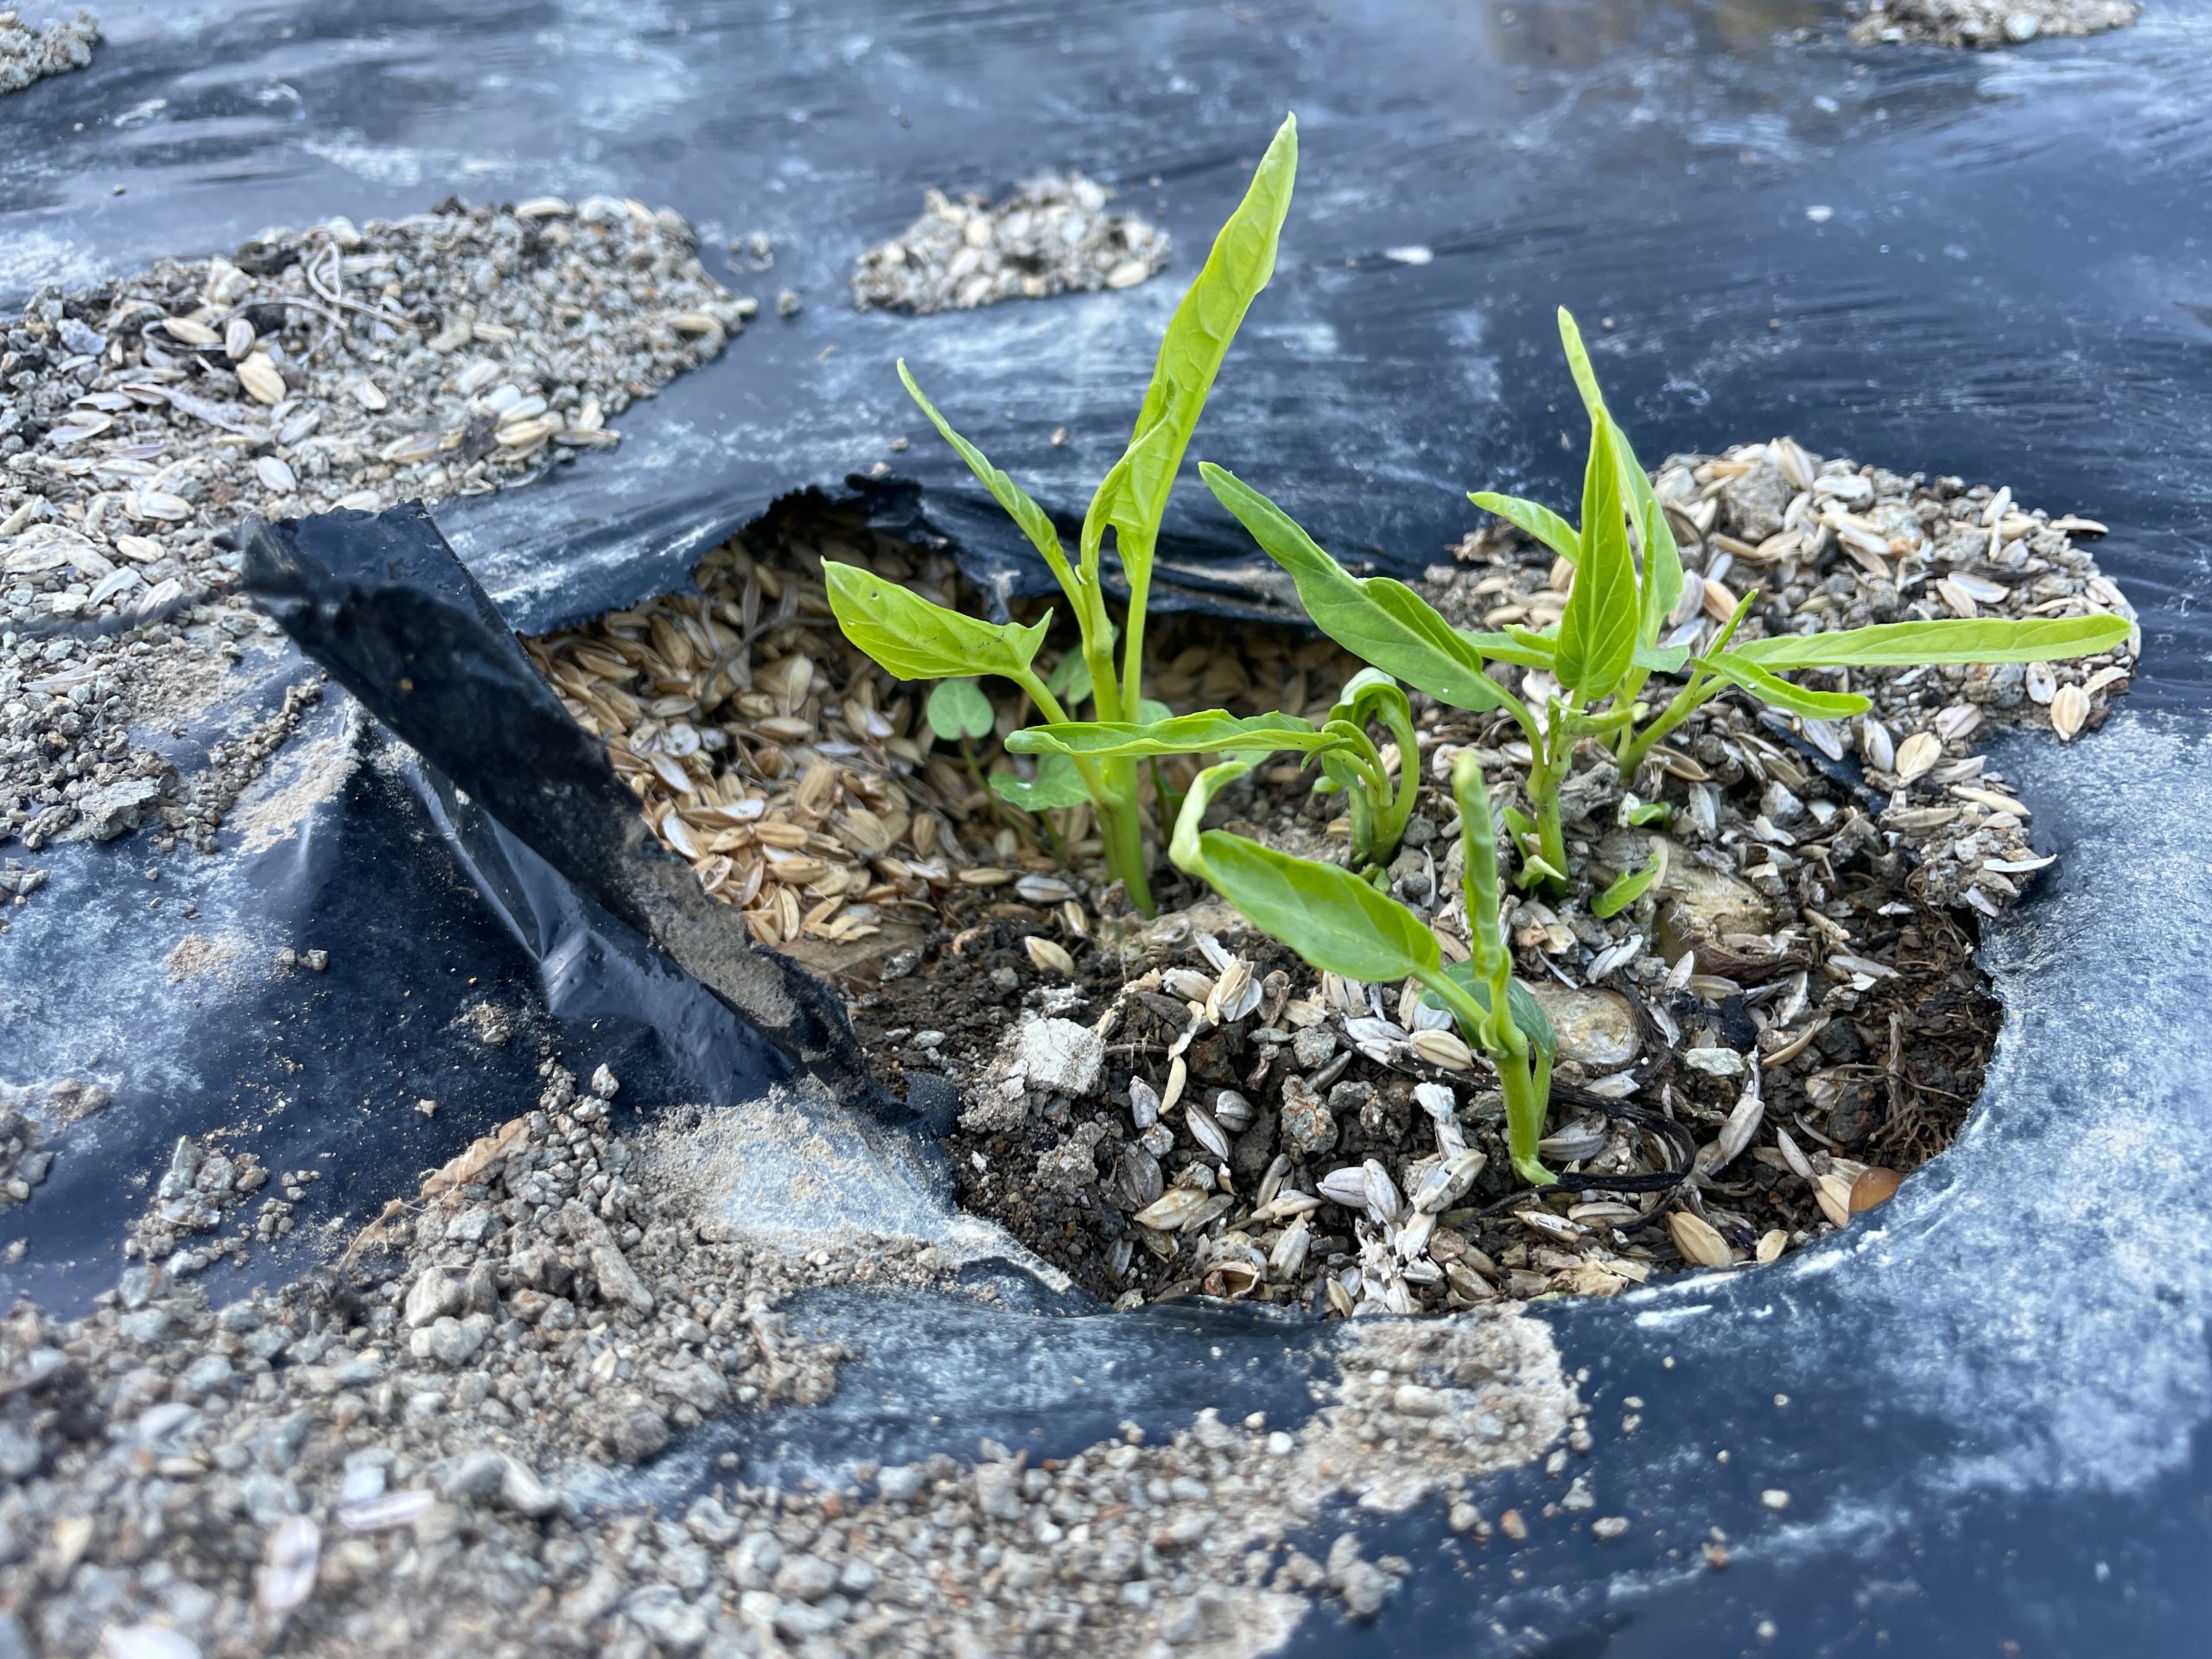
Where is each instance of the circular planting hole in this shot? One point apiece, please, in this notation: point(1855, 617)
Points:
point(1753, 1049)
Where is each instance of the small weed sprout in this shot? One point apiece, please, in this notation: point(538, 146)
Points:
point(1343, 925)
point(917, 640)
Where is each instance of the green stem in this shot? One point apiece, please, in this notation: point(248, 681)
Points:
point(1122, 828)
point(1049, 706)
point(1139, 571)
point(1701, 689)
point(1524, 1076)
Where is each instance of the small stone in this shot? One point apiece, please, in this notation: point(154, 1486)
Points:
point(900, 1483)
point(998, 1491)
point(450, 1342)
point(1308, 1127)
point(804, 1578)
point(1594, 1029)
point(432, 1296)
point(1609, 1526)
point(639, 1434)
point(1060, 1057)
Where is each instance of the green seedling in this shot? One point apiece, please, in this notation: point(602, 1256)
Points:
point(1342, 924)
point(1350, 761)
point(1130, 500)
point(1628, 578)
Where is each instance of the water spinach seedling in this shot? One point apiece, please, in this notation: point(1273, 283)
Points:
point(915, 639)
point(1627, 583)
point(1342, 924)
point(1348, 759)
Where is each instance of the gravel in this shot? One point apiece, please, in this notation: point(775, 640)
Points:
point(447, 353)
point(1052, 236)
point(1985, 24)
point(420, 1451)
point(28, 55)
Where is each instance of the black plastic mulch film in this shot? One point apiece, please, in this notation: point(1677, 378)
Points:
point(1987, 1409)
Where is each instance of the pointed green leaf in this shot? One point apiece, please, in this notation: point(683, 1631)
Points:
point(1538, 520)
point(1212, 731)
point(1662, 560)
point(958, 708)
point(1151, 711)
point(1627, 888)
point(917, 640)
point(1380, 621)
point(1528, 1013)
point(1908, 644)
point(1036, 524)
point(1779, 693)
point(1336, 921)
point(1650, 812)
point(1197, 337)
point(1057, 784)
point(1662, 583)
point(1597, 634)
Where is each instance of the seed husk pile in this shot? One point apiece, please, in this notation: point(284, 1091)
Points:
point(28, 54)
point(1985, 24)
point(1050, 235)
point(446, 353)
point(431, 1448)
point(800, 781)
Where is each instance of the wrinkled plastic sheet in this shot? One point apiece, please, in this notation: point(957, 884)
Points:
point(1996, 1390)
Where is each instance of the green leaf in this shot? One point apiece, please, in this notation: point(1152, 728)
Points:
point(1650, 812)
point(917, 640)
point(1597, 634)
point(1908, 644)
point(1057, 784)
point(1036, 524)
point(1540, 521)
point(1662, 560)
point(1528, 1013)
point(958, 708)
point(1780, 693)
point(1336, 921)
point(1627, 888)
point(1069, 680)
point(1662, 659)
point(1213, 731)
point(1197, 337)
point(1380, 621)
point(1151, 711)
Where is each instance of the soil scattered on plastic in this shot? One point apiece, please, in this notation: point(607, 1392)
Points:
point(1985, 25)
point(28, 54)
point(446, 353)
point(435, 1444)
point(1050, 235)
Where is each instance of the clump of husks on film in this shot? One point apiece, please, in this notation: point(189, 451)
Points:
point(1751, 1054)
